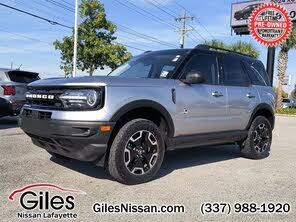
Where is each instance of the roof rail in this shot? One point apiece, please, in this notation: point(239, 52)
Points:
point(147, 51)
point(201, 46)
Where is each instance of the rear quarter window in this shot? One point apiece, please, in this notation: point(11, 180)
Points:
point(257, 73)
point(23, 77)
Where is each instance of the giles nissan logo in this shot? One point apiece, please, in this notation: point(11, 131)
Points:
point(45, 201)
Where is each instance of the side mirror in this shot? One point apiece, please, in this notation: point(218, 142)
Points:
point(194, 78)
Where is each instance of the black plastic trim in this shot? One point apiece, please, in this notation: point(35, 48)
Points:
point(146, 104)
point(262, 106)
point(74, 139)
point(204, 139)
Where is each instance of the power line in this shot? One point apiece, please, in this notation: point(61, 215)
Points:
point(61, 5)
point(134, 41)
point(144, 12)
point(193, 40)
point(24, 36)
point(36, 16)
point(181, 6)
point(40, 10)
point(71, 5)
point(200, 36)
point(133, 47)
point(123, 28)
point(154, 3)
point(143, 36)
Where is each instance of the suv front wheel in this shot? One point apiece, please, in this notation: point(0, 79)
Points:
point(257, 145)
point(137, 152)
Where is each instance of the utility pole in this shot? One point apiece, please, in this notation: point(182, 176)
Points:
point(75, 39)
point(184, 29)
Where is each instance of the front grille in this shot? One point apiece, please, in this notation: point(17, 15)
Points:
point(34, 114)
point(44, 115)
point(40, 101)
point(28, 113)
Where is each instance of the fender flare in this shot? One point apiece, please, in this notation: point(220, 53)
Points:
point(146, 104)
point(261, 107)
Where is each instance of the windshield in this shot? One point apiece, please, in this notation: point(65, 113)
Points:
point(151, 65)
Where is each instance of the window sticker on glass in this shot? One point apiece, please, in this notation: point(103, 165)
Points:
point(176, 58)
point(166, 70)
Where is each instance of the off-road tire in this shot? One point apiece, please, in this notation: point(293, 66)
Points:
point(248, 148)
point(116, 163)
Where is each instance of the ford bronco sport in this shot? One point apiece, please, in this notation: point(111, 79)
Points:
point(157, 101)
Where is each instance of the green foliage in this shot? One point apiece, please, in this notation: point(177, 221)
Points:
point(96, 46)
point(283, 57)
point(246, 48)
point(239, 46)
point(287, 111)
point(290, 43)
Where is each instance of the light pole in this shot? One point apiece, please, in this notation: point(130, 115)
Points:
point(75, 39)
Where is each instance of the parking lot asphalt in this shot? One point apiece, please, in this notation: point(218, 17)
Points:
point(189, 177)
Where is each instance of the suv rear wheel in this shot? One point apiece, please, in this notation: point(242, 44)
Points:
point(257, 145)
point(137, 152)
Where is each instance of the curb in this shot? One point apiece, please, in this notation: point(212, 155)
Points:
point(285, 115)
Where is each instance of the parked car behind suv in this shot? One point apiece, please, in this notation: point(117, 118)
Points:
point(12, 90)
point(288, 103)
point(156, 102)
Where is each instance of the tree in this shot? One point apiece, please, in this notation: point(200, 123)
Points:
point(246, 48)
point(239, 46)
point(283, 56)
point(96, 46)
point(217, 43)
point(284, 94)
point(293, 94)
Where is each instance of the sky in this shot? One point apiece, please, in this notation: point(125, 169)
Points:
point(27, 42)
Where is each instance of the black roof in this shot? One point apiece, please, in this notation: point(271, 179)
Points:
point(203, 48)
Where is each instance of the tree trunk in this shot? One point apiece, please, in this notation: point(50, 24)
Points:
point(282, 68)
point(91, 71)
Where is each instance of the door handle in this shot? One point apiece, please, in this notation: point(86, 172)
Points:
point(217, 94)
point(250, 96)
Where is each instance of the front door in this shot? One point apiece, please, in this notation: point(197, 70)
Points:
point(201, 108)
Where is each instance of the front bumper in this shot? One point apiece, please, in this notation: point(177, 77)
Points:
point(74, 139)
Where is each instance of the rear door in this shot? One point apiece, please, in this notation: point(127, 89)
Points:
point(242, 98)
point(201, 108)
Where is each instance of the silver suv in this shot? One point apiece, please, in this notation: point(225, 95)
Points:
point(156, 102)
point(12, 90)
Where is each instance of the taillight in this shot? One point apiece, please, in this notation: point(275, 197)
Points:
point(9, 90)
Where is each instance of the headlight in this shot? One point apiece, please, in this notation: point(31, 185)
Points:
point(81, 99)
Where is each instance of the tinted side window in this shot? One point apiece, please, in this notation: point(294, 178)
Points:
point(263, 76)
point(257, 74)
point(204, 64)
point(234, 74)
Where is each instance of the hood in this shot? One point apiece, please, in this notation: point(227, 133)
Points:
point(99, 81)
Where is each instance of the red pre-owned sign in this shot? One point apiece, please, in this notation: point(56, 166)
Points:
point(270, 24)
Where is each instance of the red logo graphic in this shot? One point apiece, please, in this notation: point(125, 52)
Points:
point(44, 185)
point(270, 24)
